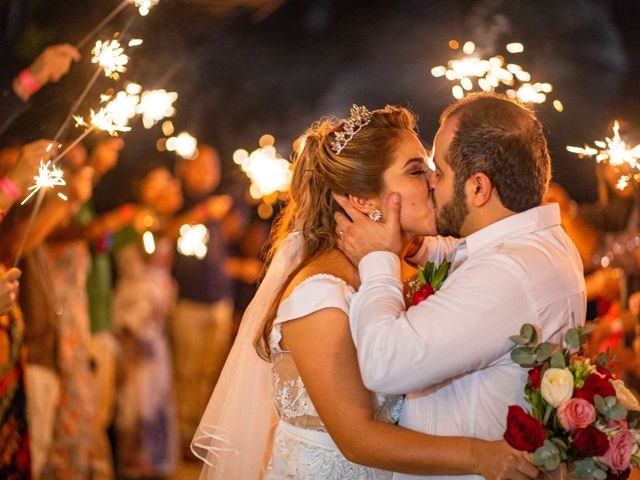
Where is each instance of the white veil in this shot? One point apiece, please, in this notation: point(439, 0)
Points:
point(236, 428)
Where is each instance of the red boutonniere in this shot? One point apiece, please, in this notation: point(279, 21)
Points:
point(428, 281)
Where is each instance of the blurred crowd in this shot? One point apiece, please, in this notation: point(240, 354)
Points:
point(111, 341)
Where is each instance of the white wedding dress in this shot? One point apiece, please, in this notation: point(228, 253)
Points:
point(302, 449)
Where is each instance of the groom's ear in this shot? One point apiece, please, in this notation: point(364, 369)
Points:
point(361, 204)
point(479, 189)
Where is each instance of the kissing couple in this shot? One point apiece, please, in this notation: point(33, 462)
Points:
point(331, 376)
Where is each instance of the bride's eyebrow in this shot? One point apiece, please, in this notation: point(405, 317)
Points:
point(412, 160)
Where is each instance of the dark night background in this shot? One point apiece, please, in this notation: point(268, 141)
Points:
point(243, 68)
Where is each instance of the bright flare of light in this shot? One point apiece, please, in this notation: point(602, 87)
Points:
point(49, 176)
point(148, 242)
point(268, 172)
point(613, 151)
point(110, 56)
point(193, 241)
point(515, 47)
point(184, 145)
point(135, 42)
point(144, 6)
point(156, 105)
point(122, 107)
point(557, 104)
point(471, 72)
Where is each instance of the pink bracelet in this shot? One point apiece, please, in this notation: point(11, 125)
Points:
point(29, 83)
point(9, 187)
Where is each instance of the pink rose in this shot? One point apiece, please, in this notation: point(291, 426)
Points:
point(618, 457)
point(576, 413)
point(622, 424)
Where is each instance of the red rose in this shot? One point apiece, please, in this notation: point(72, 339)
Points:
point(590, 441)
point(535, 377)
point(422, 294)
point(605, 372)
point(595, 385)
point(524, 432)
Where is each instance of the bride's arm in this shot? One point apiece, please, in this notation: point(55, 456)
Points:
point(326, 359)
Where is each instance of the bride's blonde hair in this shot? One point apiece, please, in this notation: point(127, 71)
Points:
point(318, 171)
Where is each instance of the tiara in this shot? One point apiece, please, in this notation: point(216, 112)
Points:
point(360, 117)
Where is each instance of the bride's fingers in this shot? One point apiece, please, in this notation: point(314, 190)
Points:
point(527, 467)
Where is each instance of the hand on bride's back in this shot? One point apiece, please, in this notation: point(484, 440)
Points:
point(498, 461)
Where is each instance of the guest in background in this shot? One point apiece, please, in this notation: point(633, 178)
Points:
point(201, 324)
point(146, 423)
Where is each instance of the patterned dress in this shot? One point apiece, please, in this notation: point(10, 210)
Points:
point(302, 448)
point(146, 419)
point(15, 461)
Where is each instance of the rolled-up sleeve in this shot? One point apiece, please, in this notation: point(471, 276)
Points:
point(463, 327)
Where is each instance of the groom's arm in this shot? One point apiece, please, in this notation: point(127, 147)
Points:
point(433, 249)
point(462, 328)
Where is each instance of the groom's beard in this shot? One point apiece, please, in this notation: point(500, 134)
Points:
point(451, 216)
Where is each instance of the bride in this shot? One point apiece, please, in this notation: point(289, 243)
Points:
point(295, 406)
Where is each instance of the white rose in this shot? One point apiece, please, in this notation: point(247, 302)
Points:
point(625, 397)
point(557, 386)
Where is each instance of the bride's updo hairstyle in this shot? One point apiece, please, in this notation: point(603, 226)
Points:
point(317, 172)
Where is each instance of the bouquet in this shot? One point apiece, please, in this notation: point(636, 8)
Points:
point(428, 280)
point(581, 416)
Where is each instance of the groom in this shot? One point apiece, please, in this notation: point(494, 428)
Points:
point(511, 264)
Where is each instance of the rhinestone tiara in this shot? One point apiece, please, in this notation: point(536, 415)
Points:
point(360, 117)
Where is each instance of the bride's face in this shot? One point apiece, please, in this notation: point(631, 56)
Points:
point(407, 175)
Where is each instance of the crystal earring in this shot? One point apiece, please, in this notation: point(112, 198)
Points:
point(375, 214)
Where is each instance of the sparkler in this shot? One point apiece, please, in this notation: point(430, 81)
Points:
point(148, 242)
point(49, 176)
point(471, 72)
point(268, 172)
point(111, 57)
point(144, 6)
point(156, 105)
point(614, 151)
point(193, 241)
point(183, 145)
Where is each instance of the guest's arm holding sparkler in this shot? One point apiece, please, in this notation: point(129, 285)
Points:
point(213, 208)
point(53, 63)
point(8, 288)
point(16, 181)
point(55, 211)
point(49, 67)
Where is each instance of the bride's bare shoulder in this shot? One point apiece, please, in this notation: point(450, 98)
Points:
point(331, 263)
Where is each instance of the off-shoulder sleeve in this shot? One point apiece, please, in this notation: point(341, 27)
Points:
point(313, 294)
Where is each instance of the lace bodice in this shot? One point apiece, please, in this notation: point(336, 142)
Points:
point(291, 399)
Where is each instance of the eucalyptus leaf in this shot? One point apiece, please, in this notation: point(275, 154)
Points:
point(600, 404)
point(523, 356)
point(543, 352)
point(520, 340)
point(573, 338)
point(557, 360)
point(547, 456)
point(585, 331)
point(617, 413)
point(602, 359)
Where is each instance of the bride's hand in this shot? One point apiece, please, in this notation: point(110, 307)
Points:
point(498, 461)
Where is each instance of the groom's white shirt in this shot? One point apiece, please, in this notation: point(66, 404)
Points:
point(452, 349)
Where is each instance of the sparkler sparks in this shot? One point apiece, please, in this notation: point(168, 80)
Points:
point(144, 6)
point(472, 73)
point(614, 151)
point(268, 172)
point(156, 105)
point(49, 176)
point(183, 145)
point(193, 241)
point(111, 57)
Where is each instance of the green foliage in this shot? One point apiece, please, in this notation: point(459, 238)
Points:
point(587, 469)
point(548, 456)
point(610, 408)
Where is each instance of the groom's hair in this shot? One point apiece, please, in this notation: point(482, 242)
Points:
point(504, 140)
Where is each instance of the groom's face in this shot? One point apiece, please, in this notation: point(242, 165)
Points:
point(451, 206)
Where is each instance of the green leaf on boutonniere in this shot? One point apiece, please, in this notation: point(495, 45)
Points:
point(557, 360)
point(543, 352)
point(440, 274)
point(573, 338)
point(524, 356)
point(421, 277)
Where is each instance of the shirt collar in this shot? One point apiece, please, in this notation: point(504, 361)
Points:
point(537, 218)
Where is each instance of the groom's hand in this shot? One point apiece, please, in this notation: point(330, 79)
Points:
point(358, 235)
